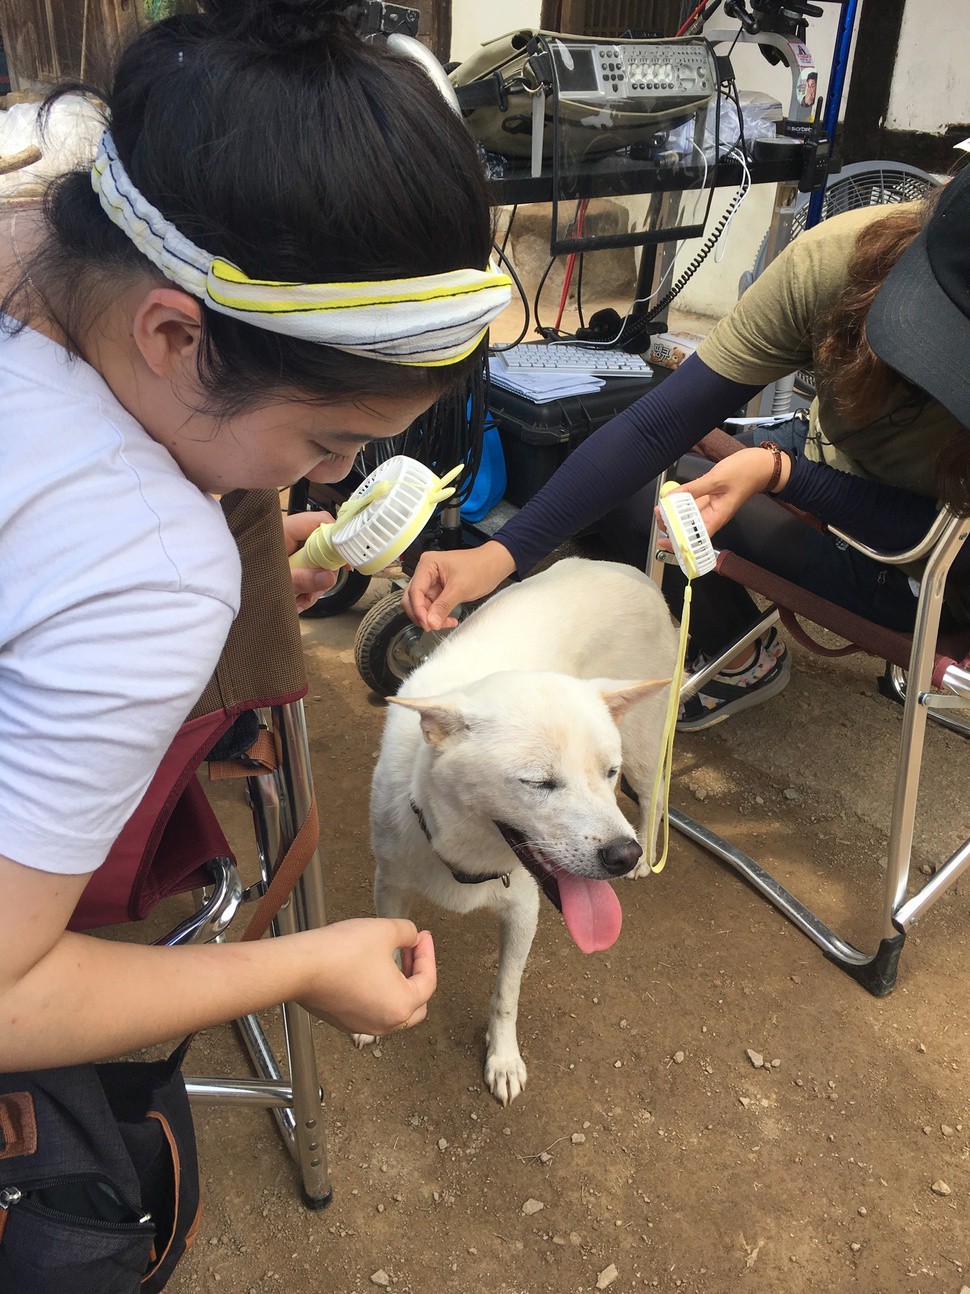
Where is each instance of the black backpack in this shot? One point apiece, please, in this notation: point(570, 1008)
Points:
point(99, 1178)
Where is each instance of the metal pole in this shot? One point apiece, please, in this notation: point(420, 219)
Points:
point(836, 87)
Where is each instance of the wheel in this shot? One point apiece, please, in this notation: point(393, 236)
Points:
point(350, 588)
point(389, 645)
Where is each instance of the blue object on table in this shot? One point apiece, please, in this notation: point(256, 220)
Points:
point(488, 485)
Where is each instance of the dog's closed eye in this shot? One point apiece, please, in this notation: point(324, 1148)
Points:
point(612, 773)
point(545, 784)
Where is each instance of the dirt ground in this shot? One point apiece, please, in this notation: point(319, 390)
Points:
point(651, 1141)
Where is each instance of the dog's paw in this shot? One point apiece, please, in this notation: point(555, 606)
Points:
point(505, 1076)
point(642, 869)
point(362, 1040)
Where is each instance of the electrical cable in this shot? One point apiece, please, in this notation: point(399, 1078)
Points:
point(508, 230)
point(709, 7)
point(601, 345)
point(690, 21)
point(702, 254)
point(543, 332)
point(497, 350)
point(452, 430)
point(575, 229)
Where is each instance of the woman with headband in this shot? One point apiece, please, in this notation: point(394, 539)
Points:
point(281, 255)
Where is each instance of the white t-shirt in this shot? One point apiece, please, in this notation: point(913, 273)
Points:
point(118, 583)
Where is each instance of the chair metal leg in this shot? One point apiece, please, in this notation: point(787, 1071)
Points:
point(281, 800)
point(892, 684)
point(215, 912)
point(876, 972)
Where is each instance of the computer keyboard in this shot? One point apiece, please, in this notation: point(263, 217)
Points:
point(543, 357)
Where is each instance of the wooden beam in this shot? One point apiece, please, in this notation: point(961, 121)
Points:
point(873, 64)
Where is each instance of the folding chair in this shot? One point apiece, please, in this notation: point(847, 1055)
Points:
point(173, 842)
point(930, 660)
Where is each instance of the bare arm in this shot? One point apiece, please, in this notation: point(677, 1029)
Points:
point(67, 998)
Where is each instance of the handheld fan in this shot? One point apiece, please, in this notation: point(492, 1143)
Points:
point(382, 516)
point(696, 556)
point(686, 531)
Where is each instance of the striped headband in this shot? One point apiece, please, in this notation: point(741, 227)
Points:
point(430, 321)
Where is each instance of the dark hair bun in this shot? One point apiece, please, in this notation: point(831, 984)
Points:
point(285, 25)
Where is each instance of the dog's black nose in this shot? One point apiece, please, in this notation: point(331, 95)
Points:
point(620, 856)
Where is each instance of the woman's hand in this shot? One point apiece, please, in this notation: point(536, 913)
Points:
point(722, 491)
point(443, 579)
point(309, 582)
point(359, 987)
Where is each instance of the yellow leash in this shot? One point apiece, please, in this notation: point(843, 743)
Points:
point(695, 555)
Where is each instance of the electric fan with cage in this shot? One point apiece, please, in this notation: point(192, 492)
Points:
point(861, 184)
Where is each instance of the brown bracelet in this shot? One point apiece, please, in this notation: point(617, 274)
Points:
point(776, 469)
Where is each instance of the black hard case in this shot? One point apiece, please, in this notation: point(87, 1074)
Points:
point(537, 438)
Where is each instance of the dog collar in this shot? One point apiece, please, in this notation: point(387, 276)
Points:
point(463, 878)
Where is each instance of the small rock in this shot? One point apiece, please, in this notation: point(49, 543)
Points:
point(756, 1058)
point(776, 1064)
point(545, 1157)
point(578, 1138)
point(559, 1240)
point(791, 794)
point(575, 1238)
point(946, 1130)
point(442, 1144)
point(926, 869)
point(745, 1101)
point(473, 1252)
point(940, 1188)
point(678, 1057)
point(926, 1129)
point(506, 1132)
point(618, 1064)
point(376, 1053)
point(699, 794)
point(606, 1277)
point(920, 1048)
point(380, 1208)
point(380, 1277)
point(532, 1206)
point(855, 1246)
point(863, 1211)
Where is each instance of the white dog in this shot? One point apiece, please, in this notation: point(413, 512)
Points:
point(525, 712)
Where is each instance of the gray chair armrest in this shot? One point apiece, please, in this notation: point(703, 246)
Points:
point(945, 527)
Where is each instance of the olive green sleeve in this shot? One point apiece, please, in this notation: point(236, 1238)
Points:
point(768, 333)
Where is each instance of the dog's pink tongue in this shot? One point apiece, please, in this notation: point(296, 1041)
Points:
point(591, 911)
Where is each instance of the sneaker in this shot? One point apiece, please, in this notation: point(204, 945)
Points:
point(733, 690)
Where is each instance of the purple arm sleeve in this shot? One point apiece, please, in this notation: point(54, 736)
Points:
point(620, 458)
point(882, 516)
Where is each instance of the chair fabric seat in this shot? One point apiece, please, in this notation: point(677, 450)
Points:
point(952, 648)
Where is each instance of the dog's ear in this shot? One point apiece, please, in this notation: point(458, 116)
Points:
point(620, 697)
point(440, 718)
